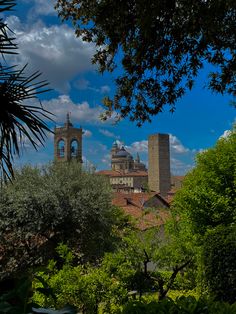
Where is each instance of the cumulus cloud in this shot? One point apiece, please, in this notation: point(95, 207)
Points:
point(53, 50)
point(176, 146)
point(108, 133)
point(79, 112)
point(83, 84)
point(41, 7)
point(178, 167)
point(177, 151)
point(139, 146)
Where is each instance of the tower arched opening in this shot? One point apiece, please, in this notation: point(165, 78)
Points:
point(74, 148)
point(61, 148)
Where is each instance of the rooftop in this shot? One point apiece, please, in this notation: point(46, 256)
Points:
point(136, 206)
point(114, 173)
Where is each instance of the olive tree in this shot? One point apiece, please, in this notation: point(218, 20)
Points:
point(57, 203)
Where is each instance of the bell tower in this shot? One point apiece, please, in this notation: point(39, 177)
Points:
point(68, 142)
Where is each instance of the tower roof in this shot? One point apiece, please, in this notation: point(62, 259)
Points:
point(115, 144)
point(68, 124)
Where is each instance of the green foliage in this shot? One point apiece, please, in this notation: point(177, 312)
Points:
point(120, 275)
point(219, 259)
point(208, 196)
point(88, 288)
point(59, 203)
point(159, 48)
point(205, 210)
point(16, 301)
point(182, 305)
point(183, 281)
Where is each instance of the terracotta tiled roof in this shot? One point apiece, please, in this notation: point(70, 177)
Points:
point(106, 172)
point(113, 173)
point(133, 205)
point(179, 178)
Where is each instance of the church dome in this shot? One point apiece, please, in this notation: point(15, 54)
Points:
point(122, 153)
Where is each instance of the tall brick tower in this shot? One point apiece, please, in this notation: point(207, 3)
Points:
point(159, 163)
point(68, 142)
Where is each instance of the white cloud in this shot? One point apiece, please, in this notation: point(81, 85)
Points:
point(41, 7)
point(105, 89)
point(79, 112)
point(141, 146)
point(55, 51)
point(179, 167)
point(177, 151)
point(108, 133)
point(83, 84)
point(87, 133)
point(226, 134)
point(176, 146)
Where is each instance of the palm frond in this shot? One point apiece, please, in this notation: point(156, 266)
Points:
point(17, 119)
point(7, 5)
point(7, 45)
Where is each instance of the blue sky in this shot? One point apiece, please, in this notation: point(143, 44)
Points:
point(51, 47)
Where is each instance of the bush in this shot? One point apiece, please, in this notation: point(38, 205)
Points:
point(219, 259)
point(182, 305)
point(45, 206)
point(88, 288)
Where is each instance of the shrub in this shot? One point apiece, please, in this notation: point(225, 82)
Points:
point(219, 259)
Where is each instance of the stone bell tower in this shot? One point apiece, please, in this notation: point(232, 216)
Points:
point(68, 142)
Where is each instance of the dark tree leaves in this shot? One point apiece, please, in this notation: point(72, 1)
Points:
point(162, 45)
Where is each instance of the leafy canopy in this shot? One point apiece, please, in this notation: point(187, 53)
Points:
point(208, 197)
point(59, 203)
point(219, 258)
point(160, 45)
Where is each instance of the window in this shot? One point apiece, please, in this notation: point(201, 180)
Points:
point(61, 149)
point(74, 148)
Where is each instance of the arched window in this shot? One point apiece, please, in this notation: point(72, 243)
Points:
point(74, 147)
point(61, 149)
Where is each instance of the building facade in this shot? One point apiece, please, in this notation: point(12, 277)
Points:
point(130, 175)
point(122, 160)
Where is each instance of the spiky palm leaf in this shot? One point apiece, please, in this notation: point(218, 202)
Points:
point(7, 45)
point(17, 119)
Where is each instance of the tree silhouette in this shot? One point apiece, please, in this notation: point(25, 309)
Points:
point(157, 48)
